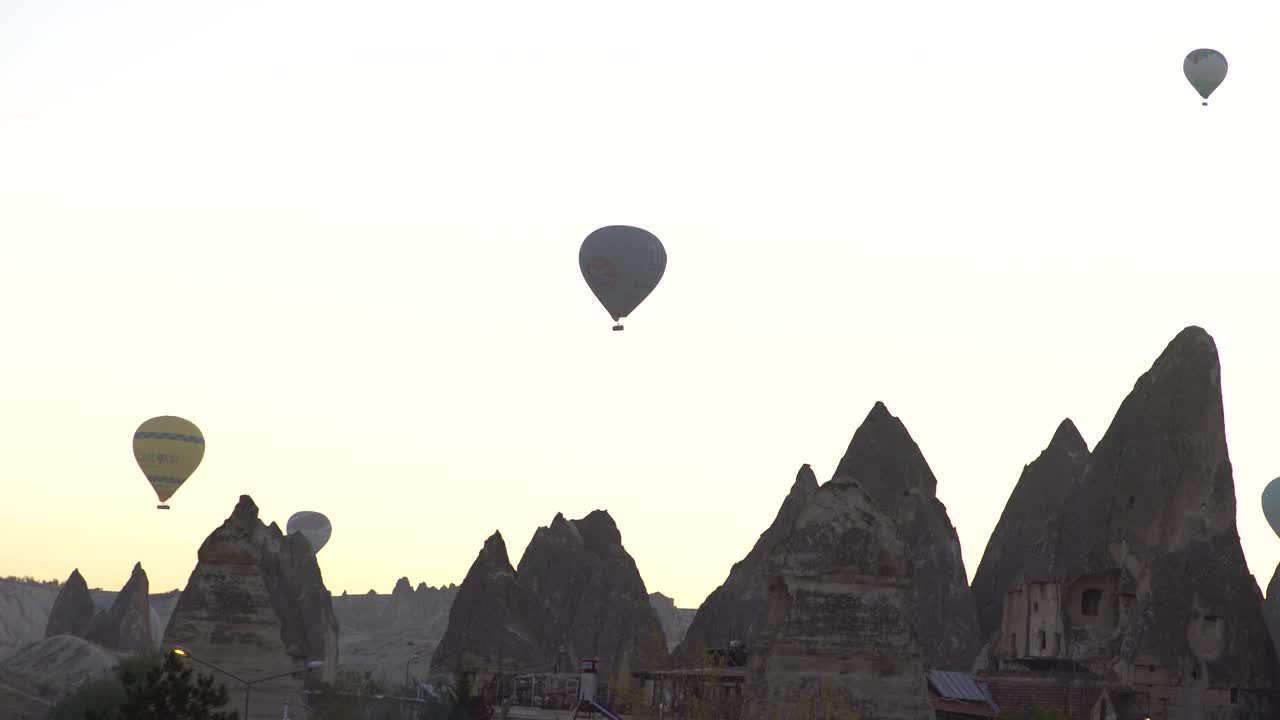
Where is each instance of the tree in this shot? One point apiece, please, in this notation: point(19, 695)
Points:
point(102, 692)
point(465, 702)
point(167, 691)
point(351, 695)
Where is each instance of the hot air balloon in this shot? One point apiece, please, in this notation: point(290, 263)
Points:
point(1271, 504)
point(313, 526)
point(168, 449)
point(622, 265)
point(1205, 70)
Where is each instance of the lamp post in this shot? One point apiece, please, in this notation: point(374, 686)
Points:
point(404, 692)
point(409, 662)
point(248, 684)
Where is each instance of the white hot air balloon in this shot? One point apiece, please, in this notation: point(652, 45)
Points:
point(313, 526)
point(1205, 70)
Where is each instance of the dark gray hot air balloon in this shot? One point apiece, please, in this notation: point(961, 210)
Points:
point(1205, 70)
point(622, 265)
point(313, 526)
point(1271, 504)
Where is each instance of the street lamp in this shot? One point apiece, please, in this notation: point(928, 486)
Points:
point(412, 657)
point(405, 691)
point(248, 684)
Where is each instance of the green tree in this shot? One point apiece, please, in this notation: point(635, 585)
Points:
point(350, 696)
point(105, 692)
point(464, 701)
point(166, 691)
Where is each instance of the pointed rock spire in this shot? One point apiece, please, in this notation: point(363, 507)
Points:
point(884, 461)
point(73, 609)
point(738, 609)
point(495, 624)
point(1156, 508)
point(1149, 526)
point(1023, 546)
point(256, 599)
point(126, 625)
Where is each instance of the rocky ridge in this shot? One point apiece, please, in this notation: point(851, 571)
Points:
point(576, 593)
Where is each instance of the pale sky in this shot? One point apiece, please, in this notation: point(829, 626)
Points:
point(342, 239)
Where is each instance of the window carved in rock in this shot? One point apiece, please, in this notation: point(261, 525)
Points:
point(1090, 601)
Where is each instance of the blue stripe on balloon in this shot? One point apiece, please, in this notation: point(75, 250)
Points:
point(168, 436)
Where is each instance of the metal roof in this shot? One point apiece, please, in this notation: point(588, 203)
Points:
point(957, 686)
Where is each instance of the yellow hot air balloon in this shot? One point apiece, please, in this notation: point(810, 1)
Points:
point(168, 449)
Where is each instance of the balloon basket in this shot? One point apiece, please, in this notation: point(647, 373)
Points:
point(617, 328)
point(162, 507)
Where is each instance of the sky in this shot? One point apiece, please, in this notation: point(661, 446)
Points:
point(342, 239)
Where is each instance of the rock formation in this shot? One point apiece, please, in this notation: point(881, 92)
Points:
point(1271, 610)
point(25, 607)
point(55, 666)
point(496, 624)
point(385, 634)
point(737, 610)
point(126, 626)
point(597, 602)
point(888, 464)
point(73, 610)
point(27, 610)
point(256, 605)
point(576, 594)
point(1024, 544)
point(1157, 506)
point(840, 635)
point(675, 621)
point(1150, 586)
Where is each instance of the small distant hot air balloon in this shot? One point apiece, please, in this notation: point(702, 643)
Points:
point(1271, 504)
point(168, 449)
point(622, 265)
point(1205, 70)
point(313, 526)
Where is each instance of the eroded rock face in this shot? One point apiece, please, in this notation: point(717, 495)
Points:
point(1271, 610)
point(384, 634)
point(840, 634)
point(1157, 509)
point(126, 625)
point(1147, 584)
point(576, 594)
point(596, 600)
point(256, 605)
point(73, 609)
point(888, 464)
point(1023, 547)
point(496, 624)
point(675, 621)
point(736, 611)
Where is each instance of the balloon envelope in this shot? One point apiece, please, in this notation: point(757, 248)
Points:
point(1205, 70)
point(622, 265)
point(1271, 504)
point(313, 526)
point(168, 449)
